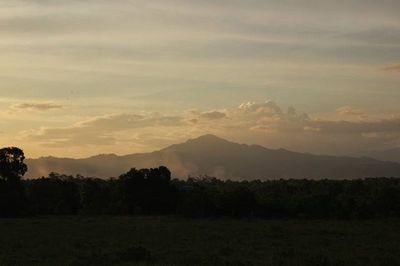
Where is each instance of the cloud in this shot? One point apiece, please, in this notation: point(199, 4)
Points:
point(265, 123)
point(267, 108)
point(213, 115)
point(268, 124)
point(365, 127)
point(193, 29)
point(395, 68)
point(104, 130)
point(130, 121)
point(269, 117)
point(348, 111)
point(36, 106)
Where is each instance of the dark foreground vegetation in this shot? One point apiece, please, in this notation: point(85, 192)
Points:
point(153, 192)
point(129, 240)
point(144, 217)
point(135, 193)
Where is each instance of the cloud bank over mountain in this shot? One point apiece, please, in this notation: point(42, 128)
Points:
point(264, 123)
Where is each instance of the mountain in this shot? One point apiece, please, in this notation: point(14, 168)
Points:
point(385, 155)
point(211, 155)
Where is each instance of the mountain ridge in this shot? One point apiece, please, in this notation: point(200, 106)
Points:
point(215, 156)
point(392, 155)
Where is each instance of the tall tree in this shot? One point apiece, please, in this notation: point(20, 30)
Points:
point(12, 164)
point(12, 168)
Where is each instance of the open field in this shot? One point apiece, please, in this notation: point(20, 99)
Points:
point(77, 240)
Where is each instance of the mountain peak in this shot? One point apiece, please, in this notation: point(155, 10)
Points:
point(207, 138)
point(203, 143)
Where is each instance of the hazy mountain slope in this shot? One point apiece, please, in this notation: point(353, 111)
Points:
point(385, 155)
point(218, 157)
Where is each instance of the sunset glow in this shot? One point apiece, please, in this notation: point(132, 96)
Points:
point(80, 78)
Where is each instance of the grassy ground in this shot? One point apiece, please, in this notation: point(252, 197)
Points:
point(178, 241)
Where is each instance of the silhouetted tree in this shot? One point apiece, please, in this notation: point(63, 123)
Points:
point(56, 194)
point(98, 196)
point(147, 191)
point(12, 164)
point(12, 168)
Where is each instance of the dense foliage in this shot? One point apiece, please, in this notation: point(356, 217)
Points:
point(153, 192)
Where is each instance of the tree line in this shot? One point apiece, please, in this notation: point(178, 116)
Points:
point(153, 192)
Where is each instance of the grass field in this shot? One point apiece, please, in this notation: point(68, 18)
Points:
point(178, 241)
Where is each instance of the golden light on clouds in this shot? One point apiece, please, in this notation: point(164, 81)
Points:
point(85, 77)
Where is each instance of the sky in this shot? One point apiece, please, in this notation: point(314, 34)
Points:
point(86, 77)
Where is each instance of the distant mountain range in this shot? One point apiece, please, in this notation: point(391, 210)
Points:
point(213, 156)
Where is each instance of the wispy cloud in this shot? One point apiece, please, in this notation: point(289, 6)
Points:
point(100, 131)
point(348, 111)
point(213, 115)
point(37, 106)
point(394, 68)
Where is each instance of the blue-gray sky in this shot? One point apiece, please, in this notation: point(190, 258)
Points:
point(123, 76)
